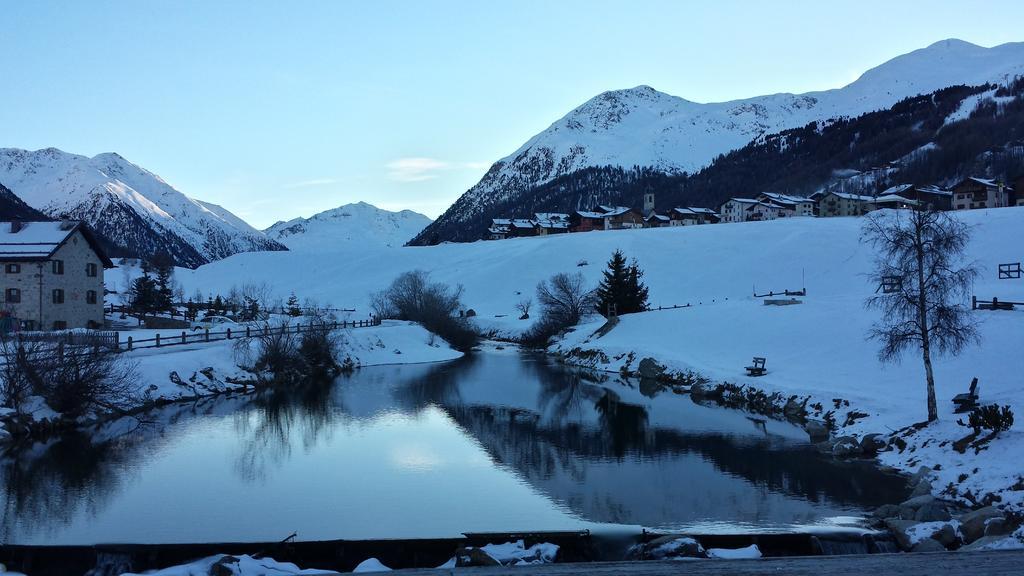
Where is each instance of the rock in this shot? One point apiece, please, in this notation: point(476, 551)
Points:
point(649, 368)
point(469, 556)
point(946, 536)
point(928, 545)
point(906, 513)
point(998, 527)
point(988, 542)
point(918, 501)
point(932, 512)
point(222, 567)
point(872, 444)
point(698, 390)
point(899, 531)
point(817, 430)
point(470, 313)
point(972, 524)
point(886, 511)
point(668, 547)
point(845, 447)
point(922, 474)
point(923, 488)
point(794, 410)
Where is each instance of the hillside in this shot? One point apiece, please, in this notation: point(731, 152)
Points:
point(133, 210)
point(13, 208)
point(352, 224)
point(641, 127)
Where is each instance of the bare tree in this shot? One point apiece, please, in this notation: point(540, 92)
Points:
point(523, 307)
point(565, 298)
point(921, 287)
point(412, 296)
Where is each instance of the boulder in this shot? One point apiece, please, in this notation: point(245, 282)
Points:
point(928, 545)
point(794, 410)
point(973, 524)
point(845, 447)
point(469, 556)
point(918, 501)
point(899, 531)
point(990, 542)
point(668, 547)
point(223, 567)
point(998, 527)
point(817, 430)
point(886, 511)
point(946, 536)
point(872, 444)
point(923, 488)
point(923, 473)
point(932, 512)
point(649, 368)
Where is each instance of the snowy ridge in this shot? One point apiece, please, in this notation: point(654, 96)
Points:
point(644, 127)
point(134, 210)
point(359, 223)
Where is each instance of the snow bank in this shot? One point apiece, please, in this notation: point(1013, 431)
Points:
point(371, 565)
point(243, 565)
point(749, 552)
point(517, 554)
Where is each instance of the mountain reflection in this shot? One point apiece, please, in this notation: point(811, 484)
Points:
point(607, 449)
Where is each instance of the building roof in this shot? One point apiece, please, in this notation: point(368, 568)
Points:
point(894, 198)
point(589, 214)
point(846, 196)
point(986, 182)
point(501, 221)
point(39, 240)
point(521, 223)
point(551, 217)
point(933, 189)
point(785, 198)
point(658, 217)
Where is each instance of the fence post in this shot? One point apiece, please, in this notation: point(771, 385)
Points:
point(207, 334)
point(229, 333)
point(974, 302)
point(158, 340)
point(129, 343)
point(995, 303)
point(246, 331)
point(183, 340)
point(117, 340)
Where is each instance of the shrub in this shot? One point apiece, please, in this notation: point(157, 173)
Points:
point(564, 300)
point(991, 417)
point(412, 296)
point(292, 354)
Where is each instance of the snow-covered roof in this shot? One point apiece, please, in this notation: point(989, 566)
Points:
point(742, 201)
point(658, 217)
point(897, 189)
point(551, 217)
point(501, 221)
point(590, 214)
point(932, 189)
point(846, 196)
point(521, 223)
point(894, 198)
point(39, 240)
point(703, 211)
point(785, 198)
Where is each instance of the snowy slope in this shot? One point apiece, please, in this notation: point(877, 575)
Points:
point(134, 210)
point(352, 224)
point(644, 127)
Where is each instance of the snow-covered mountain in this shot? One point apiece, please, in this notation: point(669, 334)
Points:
point(644, 127)
point(132, 209)
point(348, 225)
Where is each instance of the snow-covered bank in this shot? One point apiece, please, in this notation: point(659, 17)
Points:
point(190, 371)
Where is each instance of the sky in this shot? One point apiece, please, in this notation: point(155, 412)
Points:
point(283, 109)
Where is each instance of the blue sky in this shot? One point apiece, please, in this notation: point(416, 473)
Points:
point(283, 109)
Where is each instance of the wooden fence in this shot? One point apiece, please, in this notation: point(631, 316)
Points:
point(193, 337)
point(993, 304)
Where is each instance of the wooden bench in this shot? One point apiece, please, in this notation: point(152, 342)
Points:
point(758, 368)
point(967, 401)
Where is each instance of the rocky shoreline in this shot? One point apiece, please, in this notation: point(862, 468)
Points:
point(925, 522)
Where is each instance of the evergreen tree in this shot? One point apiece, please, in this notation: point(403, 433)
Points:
point(144, 294)
point(292, 306)
point(621, 289)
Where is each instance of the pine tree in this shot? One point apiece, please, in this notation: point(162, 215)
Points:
point(636, 291)
point(144, 294)
point(292, 306)
point(621, 290)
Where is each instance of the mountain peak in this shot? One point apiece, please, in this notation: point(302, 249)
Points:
point(357, 223)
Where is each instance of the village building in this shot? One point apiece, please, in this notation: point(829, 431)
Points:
point(973, 193)
point(551, 223)
point(52, 276)
point(658, 221)
point(760, 211)
point(1017, 194)
point(930, 197)
point(735, 209)
point(893, 202)
point(499, 228)
point(788, 205)
point(692, 216)
point(520, 227)
point(605, 218)
point(843, 204)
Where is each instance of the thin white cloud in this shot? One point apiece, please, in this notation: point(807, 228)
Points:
point(418, 169)
point(311, 183)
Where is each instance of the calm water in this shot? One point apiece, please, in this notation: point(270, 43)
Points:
point(495, 442)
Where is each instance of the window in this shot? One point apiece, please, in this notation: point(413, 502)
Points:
point(58, 296)
point(58, 266)
point(14, 268)
point(60, 325)
point(90, 297)
point(90, 270)
point(13, 296)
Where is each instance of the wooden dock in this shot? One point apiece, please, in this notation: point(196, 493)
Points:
point(988, 563)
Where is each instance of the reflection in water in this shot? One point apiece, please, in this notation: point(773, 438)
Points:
point(487, 443)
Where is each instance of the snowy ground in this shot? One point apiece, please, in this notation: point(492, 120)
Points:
point(817, 348)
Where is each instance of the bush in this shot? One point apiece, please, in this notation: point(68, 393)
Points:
point(71, 379)
point(991, 417)
point(413, 297)
point(291, 355)
point(564, 300)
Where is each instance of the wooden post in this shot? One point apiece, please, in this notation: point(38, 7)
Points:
point(229, 333)
point(157, 340)
point(129, 343)
point(207, 334)
point(974, 302)
point(247, 332)
point(183, 338)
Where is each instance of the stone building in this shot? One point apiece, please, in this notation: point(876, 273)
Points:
point(842, 204)
point(973, 193)
point(52, 276)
